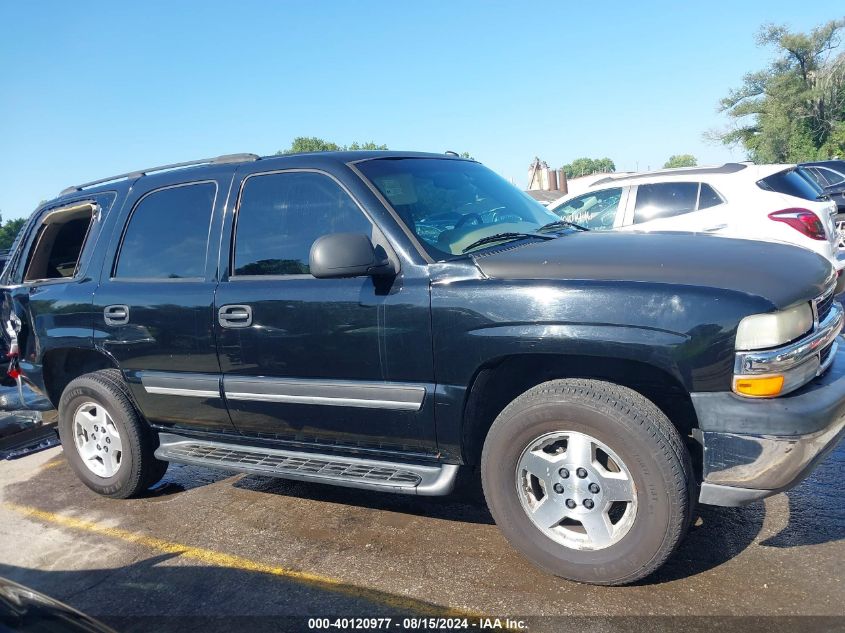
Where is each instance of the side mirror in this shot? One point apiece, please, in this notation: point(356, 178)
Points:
point(347, 255)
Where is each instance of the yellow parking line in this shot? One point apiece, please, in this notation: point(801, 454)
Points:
point(219, 559)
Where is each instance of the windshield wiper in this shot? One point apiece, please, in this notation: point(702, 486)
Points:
point(557, 224)
point(502, 237)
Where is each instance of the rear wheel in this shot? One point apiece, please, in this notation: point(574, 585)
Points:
point(106, 441)
point(589, 480)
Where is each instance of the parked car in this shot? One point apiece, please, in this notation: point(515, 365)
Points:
point(381, 320)
point(26, 610)
point(826, 172)
point(829, 176)
point(26, 426)
point(581, 184)
point(762, 202)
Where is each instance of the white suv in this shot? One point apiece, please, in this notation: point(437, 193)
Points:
point(773, 203)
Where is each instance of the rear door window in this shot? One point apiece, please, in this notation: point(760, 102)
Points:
point(167, 234)
point(665, 200)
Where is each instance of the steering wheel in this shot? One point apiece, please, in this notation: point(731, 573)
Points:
point(496, 216)
point(469, 216)
point(605, 218)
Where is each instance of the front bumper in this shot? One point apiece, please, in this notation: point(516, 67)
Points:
point(754, 448)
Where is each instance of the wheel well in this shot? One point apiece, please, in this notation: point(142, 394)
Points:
point(496, 385)
point(60, 366)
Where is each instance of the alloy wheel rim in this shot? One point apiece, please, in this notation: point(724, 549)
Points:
point(576, 490)
point(840, 233)
point(97, 439)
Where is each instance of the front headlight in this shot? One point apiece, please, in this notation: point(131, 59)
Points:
point(760, 331)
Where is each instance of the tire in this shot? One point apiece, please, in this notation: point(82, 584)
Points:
point(100, 403)
point(556, 422)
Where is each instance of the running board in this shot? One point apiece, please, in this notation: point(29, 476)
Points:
point(354, 472)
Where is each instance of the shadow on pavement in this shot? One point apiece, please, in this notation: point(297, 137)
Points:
point(816, 516)
point(816, 507)
point(466, 504)
point(185, 597)
point(720, 535)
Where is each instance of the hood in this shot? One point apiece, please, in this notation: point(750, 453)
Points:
point(781, 273)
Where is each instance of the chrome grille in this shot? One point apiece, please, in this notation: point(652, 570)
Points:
point(823, 305)
point(276, 463)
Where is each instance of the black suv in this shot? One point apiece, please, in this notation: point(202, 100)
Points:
point(381, 319)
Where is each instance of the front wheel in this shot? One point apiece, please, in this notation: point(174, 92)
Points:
point(589, 480)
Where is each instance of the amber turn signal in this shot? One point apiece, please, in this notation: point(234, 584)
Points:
point(758, 386)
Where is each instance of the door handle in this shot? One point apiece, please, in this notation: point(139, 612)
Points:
point(234, 316)
point(116, 315)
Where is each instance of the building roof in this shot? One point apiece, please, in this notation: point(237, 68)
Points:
point(544, 197)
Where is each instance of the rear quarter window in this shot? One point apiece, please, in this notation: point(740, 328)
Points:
point(708, 197)
point(791, 183)
point(27, 241)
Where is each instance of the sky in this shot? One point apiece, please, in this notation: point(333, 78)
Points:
point(92, 89)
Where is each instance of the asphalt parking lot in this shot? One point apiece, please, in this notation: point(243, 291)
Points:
point(209, 544)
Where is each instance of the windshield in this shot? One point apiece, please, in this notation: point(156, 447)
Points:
point(450, 204)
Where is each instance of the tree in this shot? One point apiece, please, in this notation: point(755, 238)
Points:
point(369, 145)
point(303, 144)
point(586, 166)
point(9, 231)
point(794, 110)
point(680, 160)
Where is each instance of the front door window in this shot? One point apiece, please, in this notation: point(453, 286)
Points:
point(281, 215)
point(595, 210)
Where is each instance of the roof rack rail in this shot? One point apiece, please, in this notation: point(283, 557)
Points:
point(217, 160)
point(727, 168)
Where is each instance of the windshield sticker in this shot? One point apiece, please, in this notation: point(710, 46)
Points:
point(392, 188)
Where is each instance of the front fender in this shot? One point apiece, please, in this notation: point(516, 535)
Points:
point(649, 345)
point(685, 332)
